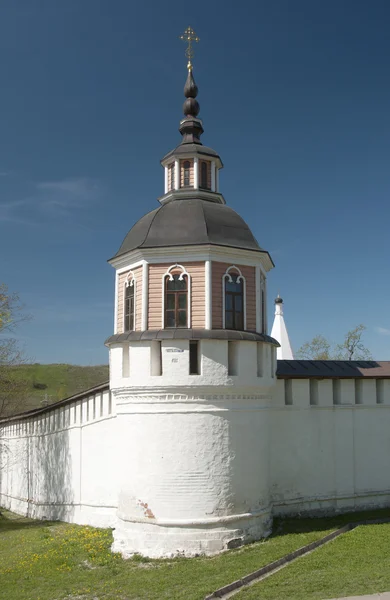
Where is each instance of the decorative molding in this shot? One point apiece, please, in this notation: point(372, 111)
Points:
point(169, 275)
point(199, 521)
point(225, 254)
point(177, 174)
point(116, 303)
point(165, 179)
point(227, 276)
point(145, 295)
point(196, 172)
point(213, 187)
point(208, 295)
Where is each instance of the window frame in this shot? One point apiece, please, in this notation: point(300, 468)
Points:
point(176, 269)
point(129, 283)
point(176, 294)
point(186, 173)
point(227, 276)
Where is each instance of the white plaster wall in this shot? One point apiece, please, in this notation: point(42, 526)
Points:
point(193, 472)
point(214, 371)
point(329, 456)
point(60, 464)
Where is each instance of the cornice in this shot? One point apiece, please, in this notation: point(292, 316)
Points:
point(251, 258)
point(190, 193)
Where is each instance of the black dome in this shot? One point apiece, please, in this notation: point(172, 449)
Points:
point(190, 223)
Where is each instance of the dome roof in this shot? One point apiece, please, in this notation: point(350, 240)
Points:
point(190, 222)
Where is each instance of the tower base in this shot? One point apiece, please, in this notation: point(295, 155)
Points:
point(166, 539)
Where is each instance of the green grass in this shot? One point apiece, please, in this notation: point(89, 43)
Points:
point(356, 563)
point(61, 381)
point(57, 561)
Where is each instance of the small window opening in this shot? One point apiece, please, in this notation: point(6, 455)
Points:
point(380, 391)
point(126, 360)
point(233, 358)
point(260, 359)
point(203, 175)
point(194, 358)
point(186, 174)
point(358, 391)
point(336, 385)
point(156, 359)
point(288, 395)
point(313, 392)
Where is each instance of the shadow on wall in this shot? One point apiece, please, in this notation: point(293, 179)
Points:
point(51, 477)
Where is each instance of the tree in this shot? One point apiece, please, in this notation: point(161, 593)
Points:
point(13, 390)
point(352, 348)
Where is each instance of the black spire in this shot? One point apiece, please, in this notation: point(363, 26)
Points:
point(191, 127)
point(191, 106)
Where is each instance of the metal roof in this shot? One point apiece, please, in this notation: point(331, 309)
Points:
point(332, 368)
point(190, 222)
point(189, 334)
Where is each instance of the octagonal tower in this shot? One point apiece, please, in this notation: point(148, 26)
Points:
point(191, 365)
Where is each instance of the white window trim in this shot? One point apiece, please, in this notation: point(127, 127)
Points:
point(227, 276)
point(170, 276)
point(130, 282)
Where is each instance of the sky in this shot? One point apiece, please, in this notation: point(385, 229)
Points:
point(295, 97)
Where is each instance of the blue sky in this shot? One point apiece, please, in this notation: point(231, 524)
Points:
point(295, 96)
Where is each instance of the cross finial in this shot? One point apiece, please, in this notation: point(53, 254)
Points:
point(189, 36)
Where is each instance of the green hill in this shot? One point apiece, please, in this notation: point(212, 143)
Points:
point(55, 382)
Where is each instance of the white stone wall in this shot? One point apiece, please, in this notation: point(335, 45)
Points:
point(330, 445)
point(197, 463)
point(194, 471)
point(61, 463)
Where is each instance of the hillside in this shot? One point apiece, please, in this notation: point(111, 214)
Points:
point(56, 381)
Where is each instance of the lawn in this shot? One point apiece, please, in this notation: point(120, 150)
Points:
point(57, 561)
point(355, 563)
point(54, 382)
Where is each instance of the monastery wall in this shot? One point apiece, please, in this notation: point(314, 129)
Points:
point(60, 463)
point(326, 442)
point(330, 445)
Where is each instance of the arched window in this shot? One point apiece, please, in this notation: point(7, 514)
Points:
point(172, 176)
point(233, 290)
point(186, 173)
point(203, 175)
point(130, 304)
point(176, 300)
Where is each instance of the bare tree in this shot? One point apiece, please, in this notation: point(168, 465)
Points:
point(352, 348)
point(13, 389)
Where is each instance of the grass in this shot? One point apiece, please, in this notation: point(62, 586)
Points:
point(356, 563)
point(57, 381)
point(57, 561)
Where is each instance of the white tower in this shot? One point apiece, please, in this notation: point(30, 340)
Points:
point(191, 366)
point(279, 333)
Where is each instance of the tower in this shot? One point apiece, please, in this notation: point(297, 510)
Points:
point(191, 365)
point(279, 332)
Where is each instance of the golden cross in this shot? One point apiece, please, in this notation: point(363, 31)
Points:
point(189, 36)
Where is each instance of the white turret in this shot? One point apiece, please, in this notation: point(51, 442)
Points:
point(279, 333)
